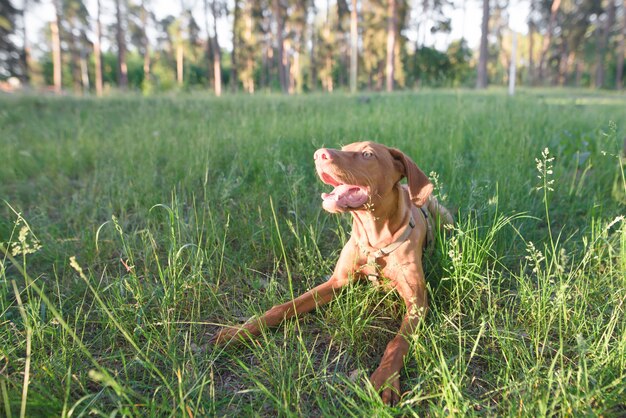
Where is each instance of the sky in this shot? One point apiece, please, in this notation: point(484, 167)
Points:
point(466, 16)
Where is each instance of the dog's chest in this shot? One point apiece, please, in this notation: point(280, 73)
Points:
point(373, 269)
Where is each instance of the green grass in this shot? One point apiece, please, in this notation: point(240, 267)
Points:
point(203, 198)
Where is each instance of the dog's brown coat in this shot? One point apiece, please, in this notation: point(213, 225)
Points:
point(376, 224)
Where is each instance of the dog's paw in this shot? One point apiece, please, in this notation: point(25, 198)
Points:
point(224, 336)
point(387, 383)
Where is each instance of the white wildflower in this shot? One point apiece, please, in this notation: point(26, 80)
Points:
point(534, 257)
point(545, 168)
point(438, 185)
point(24, 245)
point(454, 253)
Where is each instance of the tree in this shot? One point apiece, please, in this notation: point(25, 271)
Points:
point(567, 43)
point(295, 42)
point(177, 35)
point(532, 30)
point(313, 50)
point(326, 45)
point(73, 30)
point(547, 40)
point(481, 73)
point(97, 52)
point(9, 52)
point(145, 41)
point(245, 33)
point(213, 44)
point(235, 50)
point(354, 43)
point(459, 57)
point(26, 56)
point(283, 44)
point(603, 42)
point(619, 70)
point(392, 17)
point(573, 24)
point(280, 44)
point(374, 40)
point(122, 69)
point(138, 18)
point(56, 47)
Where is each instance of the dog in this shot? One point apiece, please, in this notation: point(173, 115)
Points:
point(392, 225)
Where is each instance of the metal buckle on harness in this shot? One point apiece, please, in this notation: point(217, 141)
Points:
point(381, 252)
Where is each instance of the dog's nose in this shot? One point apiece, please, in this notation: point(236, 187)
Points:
point(323, 154)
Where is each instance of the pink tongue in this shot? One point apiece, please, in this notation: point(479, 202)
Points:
point(346, 196)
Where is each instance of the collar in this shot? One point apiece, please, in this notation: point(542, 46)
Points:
point(374, 253)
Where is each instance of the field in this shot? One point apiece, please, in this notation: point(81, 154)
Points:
point(131, 228)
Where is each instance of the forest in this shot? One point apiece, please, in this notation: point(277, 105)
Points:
point(296, 46)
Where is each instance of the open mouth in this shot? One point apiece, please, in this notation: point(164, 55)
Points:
point(343, 196)
point(328, 179)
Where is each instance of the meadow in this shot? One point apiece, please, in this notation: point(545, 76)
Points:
point(132, 228)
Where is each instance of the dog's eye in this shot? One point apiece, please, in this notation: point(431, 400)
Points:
point(367, 154)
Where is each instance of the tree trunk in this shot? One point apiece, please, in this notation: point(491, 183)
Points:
point(122, 70)
point(280, 58)
point(56, 49)
point(26, 49)
point(531, 53)
point(547, 40)
point(299, 45)
point(391, 43)
point(217, 53)
point(248, 73)
point(213, 47)
point(180, 47)
point(250, 83)
point(180, 57)
point(563, 65)
point(296, 74)
point(619, 71)
point(84, 73)
point(328, 79)
point(342, 77)
point(233, 57)
point(313, 63)
point(97, 53)
point(74, 59)
point(481, 74)
point(570, 70)
point(354, 42)
point(265, 66)
point(146, 43)
point(579, 72)
point(209, 46)
point(603, 44)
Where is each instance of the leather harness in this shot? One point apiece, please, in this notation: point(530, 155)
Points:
point(376, 253)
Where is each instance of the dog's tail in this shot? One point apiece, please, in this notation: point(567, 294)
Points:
point(439, 213)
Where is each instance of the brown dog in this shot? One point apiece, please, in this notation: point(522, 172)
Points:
point(391, 226)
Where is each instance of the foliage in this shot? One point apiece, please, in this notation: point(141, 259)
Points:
point(570, 43)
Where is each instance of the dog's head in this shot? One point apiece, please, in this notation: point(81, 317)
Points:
point(362, 173)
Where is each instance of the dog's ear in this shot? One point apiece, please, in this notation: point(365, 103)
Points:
point(419, 185)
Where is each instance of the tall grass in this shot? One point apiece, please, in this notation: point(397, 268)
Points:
point(131, 229)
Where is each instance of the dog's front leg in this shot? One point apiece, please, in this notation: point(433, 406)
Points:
point(386, 378)
point(308, 301)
